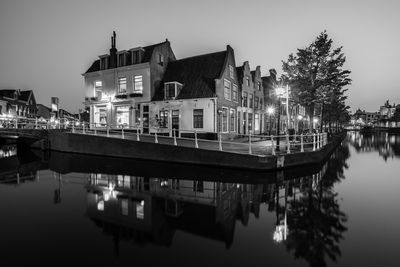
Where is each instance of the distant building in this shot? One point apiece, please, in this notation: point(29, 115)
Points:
point(198, 93)
point(15, 102)
point(120, 85)
point(43, 112)
point(387, 111)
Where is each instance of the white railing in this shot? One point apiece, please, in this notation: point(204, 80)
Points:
point(244, 144)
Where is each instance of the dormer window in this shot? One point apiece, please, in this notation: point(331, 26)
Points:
point(121, 58)
point(171, 90)
point(103, 62)
point(136, 55)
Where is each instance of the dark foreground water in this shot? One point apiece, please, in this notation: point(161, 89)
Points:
point(62, 209)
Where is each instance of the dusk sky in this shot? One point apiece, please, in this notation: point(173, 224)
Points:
point(47, 44)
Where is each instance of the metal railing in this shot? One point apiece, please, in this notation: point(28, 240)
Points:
point(253, 144)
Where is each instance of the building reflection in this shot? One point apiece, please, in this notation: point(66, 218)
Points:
point(386, 144)
point(308, 219)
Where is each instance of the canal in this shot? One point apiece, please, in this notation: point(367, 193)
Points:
point(60, 209)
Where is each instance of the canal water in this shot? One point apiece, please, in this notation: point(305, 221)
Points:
point(64, 209)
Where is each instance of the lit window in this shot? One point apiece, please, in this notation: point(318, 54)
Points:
point(224, 120)
point(250, 121)
point(232, 120)
point(198, 118)
point(256, 122)
point(138, 84)
point(164, 119)
point(122, 85)
point(247, 80)
point(122, 116)
point(227, 89)
point(98, 87)
point(161, 59)
point(231, 71)
point(140, 209)
point(234, 92)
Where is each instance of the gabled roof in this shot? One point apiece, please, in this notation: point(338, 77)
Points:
point(197, 75)
point(148, 52)
point(25, 95)
point(8, 92)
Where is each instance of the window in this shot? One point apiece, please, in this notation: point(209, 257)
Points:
point(124, 207)
point(261, 104)
point(98, 87)
point(234, 92)
point(121, 60)
point(231, 71)
point(136, 56)
point(256, 101)
point(164, 118)
point(138, 84)
point(256, 122)
point(227, 89)
point(103, 63)
point(198, 117)
point(161, 59)
point(122, 116)
point(259, 86)
point(122, 85)
point(248, 80)
point(224, 120)
point(250, 121)
point(140, 209)
point(245, 95)
point(250, 100)
point(232, 120)
point(170, 91)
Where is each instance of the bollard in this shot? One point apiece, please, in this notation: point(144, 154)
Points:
point(273, 145)
point(301, 143)
point(174, 134)
point(122, 133)
point(288, 144)
point(137, 134)
point(313, 148)
point(155, 138)
point(108, 131)
point(195, 139)
point(250, 143)
point(220, 142)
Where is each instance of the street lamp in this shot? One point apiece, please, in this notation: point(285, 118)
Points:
point(299, 119)
point(270, 111)
point(315, 120)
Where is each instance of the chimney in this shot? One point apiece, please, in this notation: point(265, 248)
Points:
point(113, 52)
point(272, 73)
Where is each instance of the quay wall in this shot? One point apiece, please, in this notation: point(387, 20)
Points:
point(114, 147)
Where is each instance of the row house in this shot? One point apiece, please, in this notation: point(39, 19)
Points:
point(17, 103)
point(199, 93)
point(251, 111)
point(120, 85)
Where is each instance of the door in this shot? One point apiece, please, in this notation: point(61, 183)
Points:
point(238, 122)
point(146, 119)
point(244, 122)
point(175, 121)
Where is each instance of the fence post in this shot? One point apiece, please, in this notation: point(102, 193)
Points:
point(83, 129)
point(318, 140)
point(174, 134)
point(137, 134)
point(301, 143)
point(16, 122)
point(36, 123)
point(95, 130)
point(155, 138)
point(122, 133)
point(73, 128)
point(313, 145)
point(108, 131)
point(220, 142)
point(273, 145)
point(195, 139)
point(288, 144)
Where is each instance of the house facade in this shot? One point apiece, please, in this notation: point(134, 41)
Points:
point(251, 111)
point(120, 85)
point(199, 93)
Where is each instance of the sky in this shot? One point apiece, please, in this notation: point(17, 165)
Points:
point(45, 45)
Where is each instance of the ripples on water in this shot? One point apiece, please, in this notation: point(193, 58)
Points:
point(58, 208)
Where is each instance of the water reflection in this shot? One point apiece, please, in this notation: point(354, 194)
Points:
point(147, 203)
point(387, 145)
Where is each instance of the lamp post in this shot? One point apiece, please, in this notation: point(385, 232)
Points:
point(270, 111)
point(281, 92)
point(299, 119)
